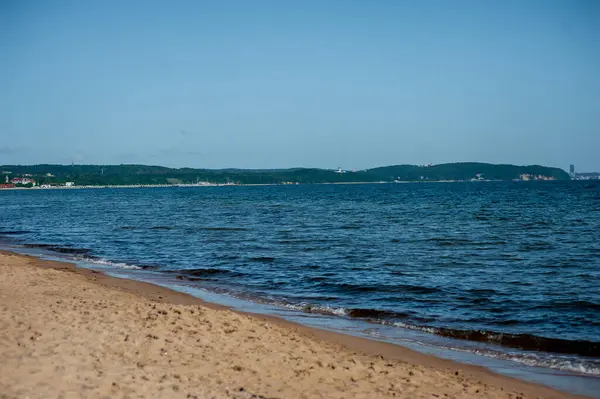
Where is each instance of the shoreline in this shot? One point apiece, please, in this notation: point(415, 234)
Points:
point(460, 377)
point(184, 185)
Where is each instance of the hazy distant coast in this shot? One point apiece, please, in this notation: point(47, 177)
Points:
point(52, 176)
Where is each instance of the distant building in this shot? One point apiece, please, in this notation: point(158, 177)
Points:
point(572, 171)
point(7, 185)
point(69, 184)
point(23, 180)
point(587, 176)
point(527, 177)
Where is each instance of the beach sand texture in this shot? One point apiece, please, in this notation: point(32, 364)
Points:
point(73, 333)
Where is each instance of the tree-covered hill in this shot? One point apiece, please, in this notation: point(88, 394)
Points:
point(465, 171)
point(145, 174)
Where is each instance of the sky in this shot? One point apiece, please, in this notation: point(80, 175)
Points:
point(274, 84)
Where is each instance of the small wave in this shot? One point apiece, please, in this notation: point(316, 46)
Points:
point(499, 242)
point(262, 259)
point(482, 291)
point(509, 322)
point(120, 265)
point(576, 365)
point(144, 228)
point(186, 278)
point(521, 341)
point(59, 249)
point(521, 283)
point(220, 229)
point(408, 326)
point(375, 314)
point(203, 272)
point(324, 310)
point(478, 301)
point(311, 267)
point(401, 288)
point(14, 232)
point(286, 242)
point(86, 257)
point(579, 305)
point(350, 227)
point(560, 362)
point(315, 249)
point(161, 228)
point(535, 246)
point(450, 242)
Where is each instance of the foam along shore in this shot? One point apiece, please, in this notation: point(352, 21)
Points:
point(71, 332)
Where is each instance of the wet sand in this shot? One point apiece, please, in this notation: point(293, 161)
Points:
point(76, 333)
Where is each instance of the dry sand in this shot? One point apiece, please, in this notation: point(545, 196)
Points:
point(73, 333)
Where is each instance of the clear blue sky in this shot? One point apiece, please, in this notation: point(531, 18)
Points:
point(300, 83)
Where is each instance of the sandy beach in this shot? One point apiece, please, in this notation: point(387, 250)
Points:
point(75, 333)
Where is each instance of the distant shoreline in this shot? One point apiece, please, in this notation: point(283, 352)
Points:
point(94, 176)
point(37, 188)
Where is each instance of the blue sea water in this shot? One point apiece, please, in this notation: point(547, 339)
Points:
point(509, 264)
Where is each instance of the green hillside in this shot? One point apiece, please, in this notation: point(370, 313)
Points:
point(144, 174)
point(465, 171)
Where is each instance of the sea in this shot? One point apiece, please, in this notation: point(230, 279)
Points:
point(502, 274)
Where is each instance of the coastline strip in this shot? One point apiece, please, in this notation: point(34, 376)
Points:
point(79, 333)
